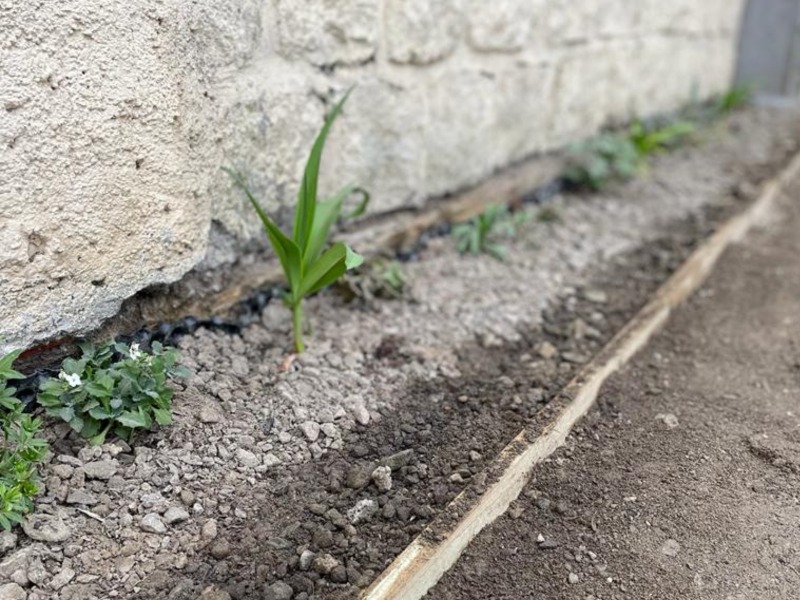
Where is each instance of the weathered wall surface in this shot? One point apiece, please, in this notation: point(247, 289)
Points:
point(116, 115)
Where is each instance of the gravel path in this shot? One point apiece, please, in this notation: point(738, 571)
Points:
point(683, 482)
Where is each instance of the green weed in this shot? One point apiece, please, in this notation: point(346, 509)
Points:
point(735, 98)
point(377, 279)
point(594, 163)
point(653, 139)
point(481, 233)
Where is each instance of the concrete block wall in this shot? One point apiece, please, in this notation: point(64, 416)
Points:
point(116, 115)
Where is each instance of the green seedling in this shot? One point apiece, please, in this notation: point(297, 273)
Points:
point(735, 98)
point(596, 162)
point(99, 392)
point(480, 233)
point(307, 265)
point(378, 279)
point(21, 452)
point(651, 140)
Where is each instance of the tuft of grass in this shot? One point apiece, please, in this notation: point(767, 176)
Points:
point(649, 140)
point(308, 266)
point(735, 98)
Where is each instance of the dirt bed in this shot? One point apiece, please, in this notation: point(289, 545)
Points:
point(275, 484)
point(683, 482)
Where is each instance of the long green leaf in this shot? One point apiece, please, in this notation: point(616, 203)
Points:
point(361, 206)
point(6, 361)
point(329, 266)
point(333, 263)
point(307, 197)
point(325, 216)
point(287, 251)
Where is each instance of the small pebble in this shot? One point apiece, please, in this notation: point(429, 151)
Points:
point(152, 523)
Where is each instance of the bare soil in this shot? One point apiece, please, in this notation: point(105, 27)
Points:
point(683, 482)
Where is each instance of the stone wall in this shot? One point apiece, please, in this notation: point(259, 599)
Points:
point(117, 114)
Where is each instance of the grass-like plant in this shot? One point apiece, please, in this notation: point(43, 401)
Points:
point(480, 234)
point(21, 450)
point(654, 139)
point(735, 98)
point(113, 387)
point(307, 264)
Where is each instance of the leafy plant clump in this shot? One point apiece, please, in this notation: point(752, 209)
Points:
point(480, 234)
point(308, 266)
point(594, 163)
point(621, 156)
point(21, 451)
point(113, 387)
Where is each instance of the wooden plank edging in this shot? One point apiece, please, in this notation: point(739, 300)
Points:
point(420, 566)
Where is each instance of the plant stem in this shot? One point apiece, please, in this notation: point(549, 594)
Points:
point(297, 325)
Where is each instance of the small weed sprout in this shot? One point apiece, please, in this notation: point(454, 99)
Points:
point(480, 233)
point(22, 451)
point(113, 387)
point(652, 140)
point(308, 266)
point(734, 99)
point(377, 279)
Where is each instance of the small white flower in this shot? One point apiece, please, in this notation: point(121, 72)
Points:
point(135, 352)
point(74, 380)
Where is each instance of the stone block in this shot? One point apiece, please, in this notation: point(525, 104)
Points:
point(420, 32)
point(582, 95)
point(502, 26)
point(328, 32)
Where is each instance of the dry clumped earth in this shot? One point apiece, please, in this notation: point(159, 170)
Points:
point(305, 483)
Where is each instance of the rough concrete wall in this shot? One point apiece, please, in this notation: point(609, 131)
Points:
point(117, 114)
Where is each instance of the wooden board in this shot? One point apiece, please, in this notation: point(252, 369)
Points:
point(437, 548)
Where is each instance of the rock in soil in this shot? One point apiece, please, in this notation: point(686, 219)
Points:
point(362, 511)
point(279, 591)
point(214, 593)
point(46, 528)
point(670, 548)
point(382, 478)
point(100, 469)
point(152, 523)
point(12, 591)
